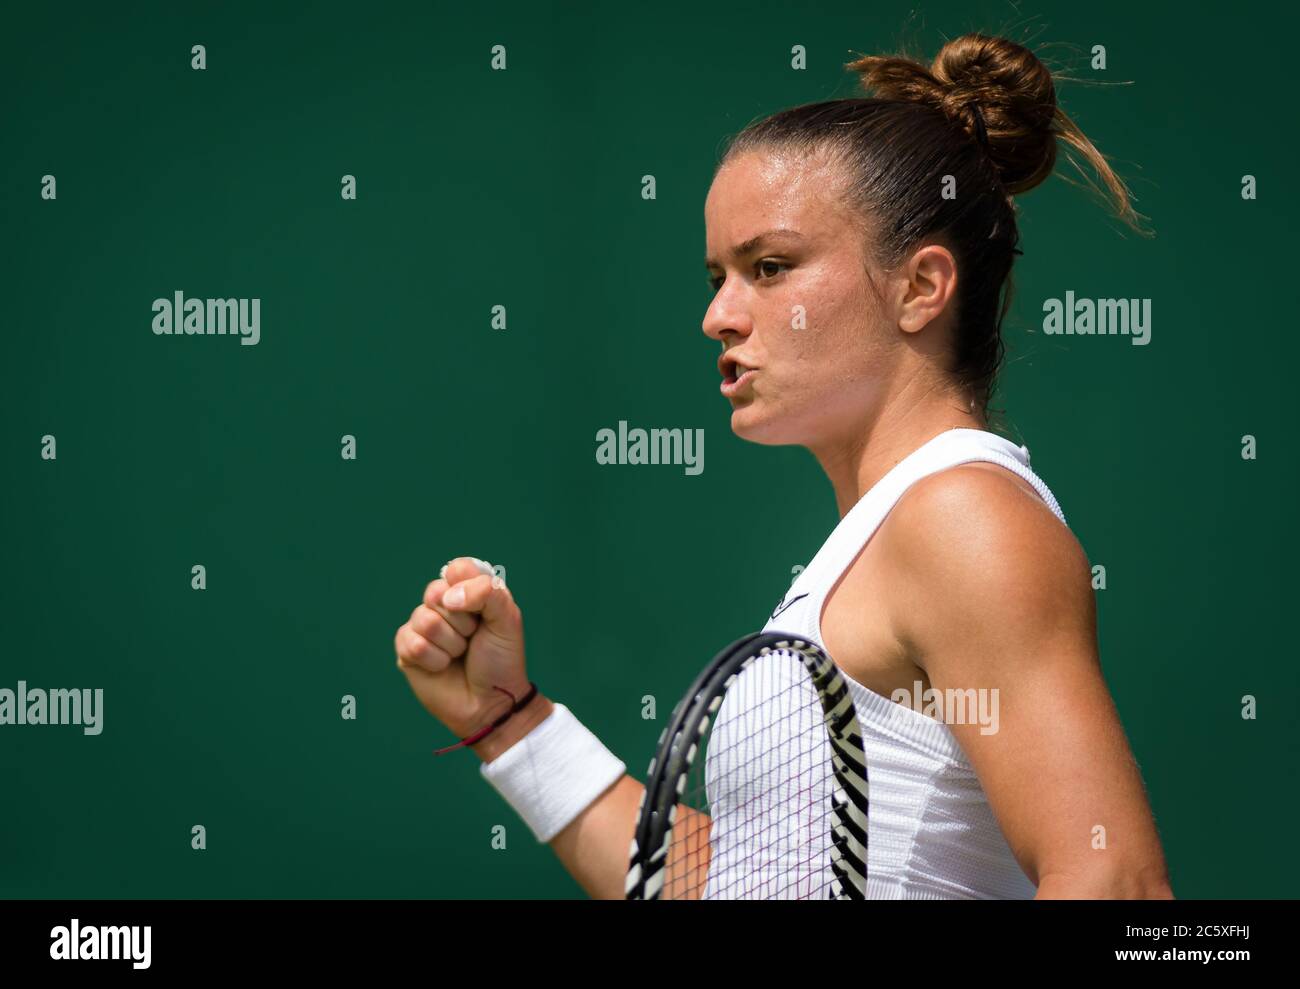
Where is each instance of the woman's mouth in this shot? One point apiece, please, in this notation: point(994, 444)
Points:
point(738, 377)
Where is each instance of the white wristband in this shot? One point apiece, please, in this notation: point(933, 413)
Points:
point(553, 773)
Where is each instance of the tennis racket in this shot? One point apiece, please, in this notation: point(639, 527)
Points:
point(758, 785)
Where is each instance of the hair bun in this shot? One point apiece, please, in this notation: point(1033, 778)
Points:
point(1010, 95)
point(996, 89)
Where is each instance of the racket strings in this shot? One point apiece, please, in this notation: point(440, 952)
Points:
point(764, 778)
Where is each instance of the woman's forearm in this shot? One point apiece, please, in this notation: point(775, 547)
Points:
point(594, 845)
point(1105, 885)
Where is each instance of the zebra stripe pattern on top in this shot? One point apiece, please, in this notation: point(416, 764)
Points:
point(817, 779)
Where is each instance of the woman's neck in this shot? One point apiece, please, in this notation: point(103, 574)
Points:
point(854, 464)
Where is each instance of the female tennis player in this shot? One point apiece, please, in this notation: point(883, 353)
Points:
point(860, 251)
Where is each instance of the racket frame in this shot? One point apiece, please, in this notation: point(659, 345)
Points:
point(657, 812)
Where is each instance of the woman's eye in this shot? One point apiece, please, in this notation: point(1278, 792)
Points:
point(716, 281)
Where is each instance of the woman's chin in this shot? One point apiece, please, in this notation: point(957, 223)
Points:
point(750, 423)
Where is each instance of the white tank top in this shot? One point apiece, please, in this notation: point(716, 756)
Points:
point(931, 833)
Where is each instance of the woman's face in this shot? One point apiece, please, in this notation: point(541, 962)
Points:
point(794, 305)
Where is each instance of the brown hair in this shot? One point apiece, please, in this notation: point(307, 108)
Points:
point(985, 113)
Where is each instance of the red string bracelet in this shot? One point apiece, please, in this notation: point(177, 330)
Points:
point(488, 729)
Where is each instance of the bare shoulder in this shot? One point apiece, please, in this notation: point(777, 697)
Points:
point(975, 550)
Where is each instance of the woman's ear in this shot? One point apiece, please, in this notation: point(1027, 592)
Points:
point(930, 283)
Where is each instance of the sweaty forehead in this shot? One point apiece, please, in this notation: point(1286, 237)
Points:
point(755, 193)
point(757, 183)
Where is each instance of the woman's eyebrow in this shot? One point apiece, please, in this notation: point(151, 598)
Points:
point(740, 250)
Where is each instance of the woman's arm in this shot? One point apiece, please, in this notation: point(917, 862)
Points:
point(995, 594)
point(462, 646)
point(594, 846)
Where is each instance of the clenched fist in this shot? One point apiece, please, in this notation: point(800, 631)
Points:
point(461, 643)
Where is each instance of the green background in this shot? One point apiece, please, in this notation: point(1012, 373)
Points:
point(522, 188)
